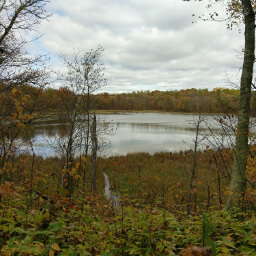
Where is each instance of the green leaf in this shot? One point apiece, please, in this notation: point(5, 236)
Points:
point(225, 250)
point(212, 245)
point(56, 226)
point(43, 232)
point(228, 243)
point(24, 247)
point(20, 213)
point(159, 246)
point(63, 191)
point(27, 239)
point(85, 253)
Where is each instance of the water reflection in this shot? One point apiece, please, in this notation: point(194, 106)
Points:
point(133, 132)
point(155, 127)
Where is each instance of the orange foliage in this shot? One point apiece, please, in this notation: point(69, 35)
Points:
point(196, 251)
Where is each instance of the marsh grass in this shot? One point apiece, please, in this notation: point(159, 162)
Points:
point(163, 178)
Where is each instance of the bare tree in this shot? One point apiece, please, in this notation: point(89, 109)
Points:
point(196, 143)
point(85, 75)
point(17, 69)
point(20, 15)
point(94, 150)
point(17, 16)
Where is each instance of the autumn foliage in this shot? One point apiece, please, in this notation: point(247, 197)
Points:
point(218, 100)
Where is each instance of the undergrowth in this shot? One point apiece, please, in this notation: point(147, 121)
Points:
point(99, 229)
point(40, 217)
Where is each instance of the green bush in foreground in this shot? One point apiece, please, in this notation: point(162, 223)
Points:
point(124, 231)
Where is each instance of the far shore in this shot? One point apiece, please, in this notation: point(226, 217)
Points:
point(52, 116)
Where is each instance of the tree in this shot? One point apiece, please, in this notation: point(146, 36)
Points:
point(17, 69)
point(17, 16)
point(238, 180)
point(94, 150)
point(196, 142)
point(84, 76)
point(238, 10)
point(20, 15)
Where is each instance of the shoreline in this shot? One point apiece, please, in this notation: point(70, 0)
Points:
point(53, 116)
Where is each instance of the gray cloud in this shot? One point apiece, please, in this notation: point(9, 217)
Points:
point(148, 44)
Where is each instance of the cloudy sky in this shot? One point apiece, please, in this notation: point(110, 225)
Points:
point(149, 44)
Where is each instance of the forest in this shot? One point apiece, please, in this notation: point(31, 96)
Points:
point(77, 202)
point(217, 101)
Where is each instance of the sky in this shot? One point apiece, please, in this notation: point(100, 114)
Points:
point(148, 44)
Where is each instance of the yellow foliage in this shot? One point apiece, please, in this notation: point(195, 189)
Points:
point(14, 115)
point(73, 171)
point(83, 159)
point(21, 117)
point(17, 102)
point(77, 177)
point(30, 116)
point(51, 253)
point(21, 125)
point(16, 92)
point(157, 178)
point(25, 98)
point(55, 247)
point(19, 109)
point(228, 192)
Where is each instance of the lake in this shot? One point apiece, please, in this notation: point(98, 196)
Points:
point(149, 132)
point(131, 132)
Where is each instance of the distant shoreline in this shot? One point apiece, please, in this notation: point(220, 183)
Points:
point(111, 112)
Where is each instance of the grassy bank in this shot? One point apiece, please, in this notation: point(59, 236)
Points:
point(159, 179)
point(165, 178)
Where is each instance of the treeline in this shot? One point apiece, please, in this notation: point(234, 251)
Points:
point(219, 100)
point(187, 101)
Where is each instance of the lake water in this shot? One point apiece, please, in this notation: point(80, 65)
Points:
point(131, 132)
point(149, 132)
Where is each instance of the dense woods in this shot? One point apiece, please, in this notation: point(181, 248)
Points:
point(219, 100)
point(186, 101)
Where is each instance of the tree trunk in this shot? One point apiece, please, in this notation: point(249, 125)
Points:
point(238, 181)
point(94, 151)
